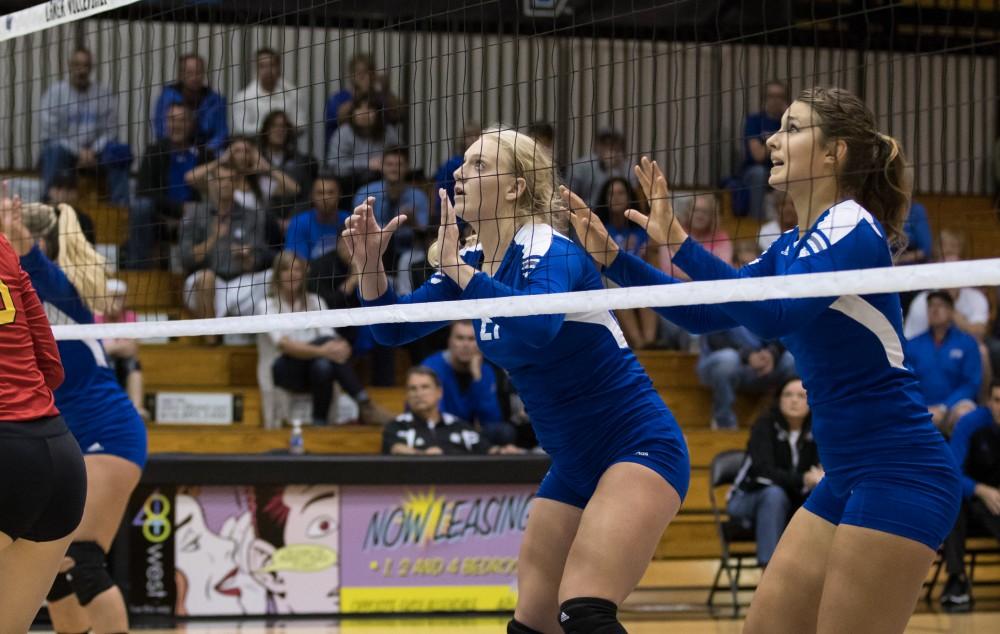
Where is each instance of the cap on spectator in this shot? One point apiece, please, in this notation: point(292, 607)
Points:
point(116, 286)
point(943, 295)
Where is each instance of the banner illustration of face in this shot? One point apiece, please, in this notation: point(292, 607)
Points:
point(296, 553)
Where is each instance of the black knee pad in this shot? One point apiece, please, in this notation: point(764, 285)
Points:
point(516, 627)
point(590, 615)
point(60, 589)
point(89, 575)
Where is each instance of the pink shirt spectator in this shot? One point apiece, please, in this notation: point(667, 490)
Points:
point(717, 243)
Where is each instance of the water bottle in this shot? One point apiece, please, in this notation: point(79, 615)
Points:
point(296, 444)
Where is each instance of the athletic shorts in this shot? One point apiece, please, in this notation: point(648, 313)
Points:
point(916, 495)
point(123, 436)
point(43, 482)
point(666, 455)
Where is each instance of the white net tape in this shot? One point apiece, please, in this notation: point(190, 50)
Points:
point(865, 282)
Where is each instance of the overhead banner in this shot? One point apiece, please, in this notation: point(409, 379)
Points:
point(54, 12)
point(325, 549)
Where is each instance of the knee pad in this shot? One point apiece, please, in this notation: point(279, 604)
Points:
point(590, 615)
point(89, 575)
point(60, 589)
point(516, 627)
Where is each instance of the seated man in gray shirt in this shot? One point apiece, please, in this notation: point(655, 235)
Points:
point(226, 254)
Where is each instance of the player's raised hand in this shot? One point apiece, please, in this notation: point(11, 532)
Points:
point(366, 241)
point(589, 228)
point(661, 224)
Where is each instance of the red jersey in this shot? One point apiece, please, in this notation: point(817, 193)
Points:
point(30, 368)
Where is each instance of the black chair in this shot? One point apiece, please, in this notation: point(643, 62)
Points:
point(737, 543)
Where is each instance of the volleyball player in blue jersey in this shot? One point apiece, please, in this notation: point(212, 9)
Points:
point(69, 277)
point(854, 558)
point(619, 462)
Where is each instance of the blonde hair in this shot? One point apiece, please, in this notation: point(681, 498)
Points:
point(86, 269)
point(526, 158)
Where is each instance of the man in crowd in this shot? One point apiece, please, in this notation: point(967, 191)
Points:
point(756, 169)
point(313, 233)
point(587, 175)
point(947, 362)
point(208, 106)
point(266, 94)
point(470, 384)
point(79, 129)
point(427, 431)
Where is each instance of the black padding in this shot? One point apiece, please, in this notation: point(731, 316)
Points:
point(60, 589)
point(89, 575)
point(516, 627)
point(590, 615)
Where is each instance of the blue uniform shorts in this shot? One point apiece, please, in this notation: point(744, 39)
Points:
point(909, 498)
point(667, 455)
point(121, 434)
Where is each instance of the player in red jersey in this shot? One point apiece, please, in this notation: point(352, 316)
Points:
point(43, 483)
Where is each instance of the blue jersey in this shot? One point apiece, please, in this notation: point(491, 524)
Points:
point(584, 390)
point(90, 399)
point(848, 349)
point(949, 372)
point(967, 427)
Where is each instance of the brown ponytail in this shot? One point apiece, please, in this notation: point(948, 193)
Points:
point(875, 171)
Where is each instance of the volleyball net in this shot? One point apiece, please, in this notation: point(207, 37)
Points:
point(199, 141)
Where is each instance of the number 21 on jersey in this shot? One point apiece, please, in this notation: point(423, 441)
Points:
point(489, 331)
point(6, 305)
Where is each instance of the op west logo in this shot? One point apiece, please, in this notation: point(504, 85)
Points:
point(154, 518)
point(151, 551)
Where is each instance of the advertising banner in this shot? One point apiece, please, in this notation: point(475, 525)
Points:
point(325, 549)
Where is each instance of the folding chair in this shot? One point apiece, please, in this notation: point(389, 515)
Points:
point(737, 543)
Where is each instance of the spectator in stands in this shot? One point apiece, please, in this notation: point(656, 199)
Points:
point(246, 168)
point(315, 232)
point(445, 175)
point(123, 353)
point(269, 92)
point(781, 468)
point(640, 324)
point(364, 81)
point(756, 168)
point(226, 253)
point(355, 152)
point(394, 197)
point(919, 246)
point(162, 190)
point(469, 384)
point(947, 362)
point(427, 431)
point(208, 106)
point(976, 447)
point(587, 175)
point(786, 219)
point(972, 309)
point(65, 190)
point(702, 223)
point(310, 359)
point(79, 129)
point(278, 143)
point(737, 360)
point(544, 133)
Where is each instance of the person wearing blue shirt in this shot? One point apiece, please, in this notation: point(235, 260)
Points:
point(314, 233)
point(97, 410)
point(919, 244)
point(393, 197)
point(975, 443)
point(619, 462)
point(470, 384)
point(209, 107)
point(756, 168)
point(947, 363)
point(868, 533)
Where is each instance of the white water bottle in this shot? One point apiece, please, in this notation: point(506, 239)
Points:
point(296, 444)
